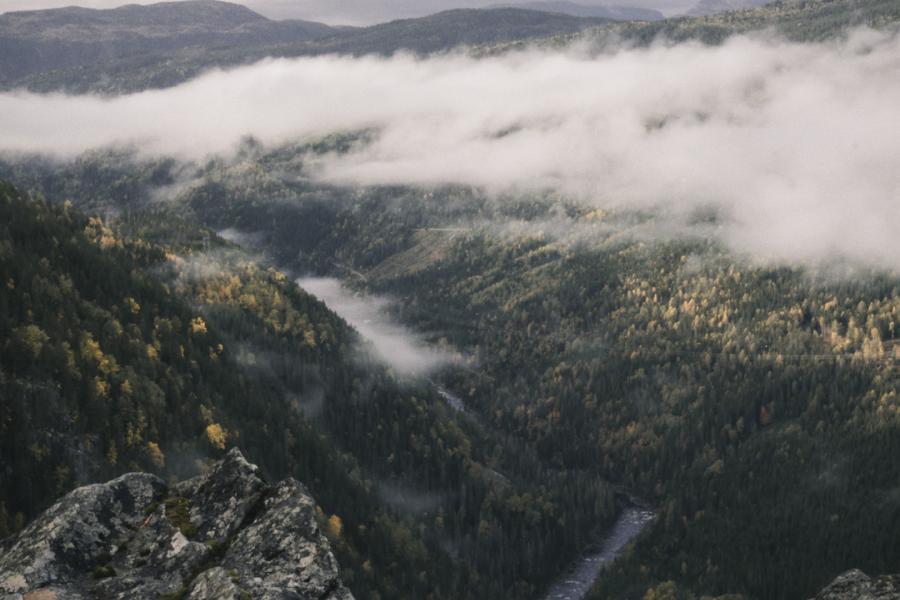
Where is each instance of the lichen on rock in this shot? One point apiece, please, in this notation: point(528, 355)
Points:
point(225, 534)
point(856, 585)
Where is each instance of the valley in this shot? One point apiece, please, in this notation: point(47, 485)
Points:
point(546, 336)
point(395, 345)
point(476, 280)
point(577, 582)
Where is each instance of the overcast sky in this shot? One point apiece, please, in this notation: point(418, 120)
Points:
point(348, 12)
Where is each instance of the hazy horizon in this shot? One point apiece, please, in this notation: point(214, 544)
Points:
point(351, 12)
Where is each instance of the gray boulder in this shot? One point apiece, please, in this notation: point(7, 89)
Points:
point(856, 585)
point(225, 534)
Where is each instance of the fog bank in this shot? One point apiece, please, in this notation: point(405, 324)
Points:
point(395, 344)
point(792, 148)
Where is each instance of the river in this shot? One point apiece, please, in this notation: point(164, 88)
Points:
point(575, 583)
point(404, 351)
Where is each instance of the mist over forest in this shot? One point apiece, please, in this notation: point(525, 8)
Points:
point(770, 138)
point(533, 301)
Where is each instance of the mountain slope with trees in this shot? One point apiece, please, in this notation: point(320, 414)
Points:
point(47, 51)
point(751, 403)
point(755, 405)
point(144, 47)
point(670, 367)
point(155, 346)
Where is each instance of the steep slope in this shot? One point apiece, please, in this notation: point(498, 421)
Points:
point(758, 405)
point(224, 534)
point(103, 370)
point(153, 346)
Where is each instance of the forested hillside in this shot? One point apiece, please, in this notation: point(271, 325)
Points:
point(802, 21)
point(124, 354)
point(139, 49)
point(43, 43)
point(619, 13)
point(135, 48)
point(620, 322)
point(756, 405)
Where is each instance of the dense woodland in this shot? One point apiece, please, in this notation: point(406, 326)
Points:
point(122, 354)
point(797, 20)
point(755, 406)
point(139, 48)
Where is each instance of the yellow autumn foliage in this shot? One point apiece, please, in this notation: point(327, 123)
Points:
point(216, 435)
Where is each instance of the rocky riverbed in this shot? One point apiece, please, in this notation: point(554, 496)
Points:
point(575, 583)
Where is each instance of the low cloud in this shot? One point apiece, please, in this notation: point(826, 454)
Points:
point(791, 148)
point(395, 344)
point(243, 239)
point(408, 499)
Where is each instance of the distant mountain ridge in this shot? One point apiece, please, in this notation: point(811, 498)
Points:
point(138, 48)
point(163, 19)
point(452, 28)
point(613, 13)
point(713, 7)
point(163, 44)
point(38, 41)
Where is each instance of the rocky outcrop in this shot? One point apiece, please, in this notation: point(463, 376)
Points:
point(856, 585)
point(224, 535)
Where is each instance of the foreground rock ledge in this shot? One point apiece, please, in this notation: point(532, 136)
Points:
point(856, 585)
point(225, 535)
